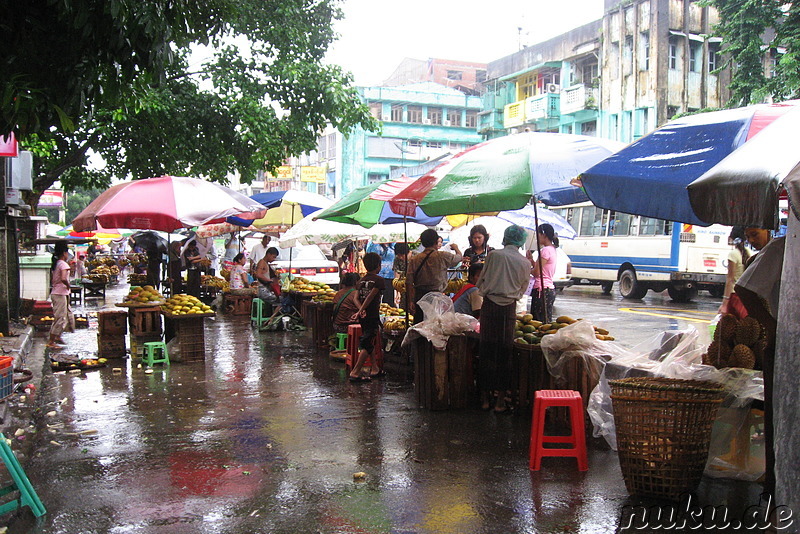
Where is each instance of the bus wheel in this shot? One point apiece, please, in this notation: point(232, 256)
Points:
point(606, 287)
point(681, 295)
point(629, 286)
point(717, 291)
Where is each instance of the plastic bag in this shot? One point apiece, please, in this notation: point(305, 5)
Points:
point(440, 322)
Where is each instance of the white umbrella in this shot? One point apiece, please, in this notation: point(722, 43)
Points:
point(527, 217)
point(314, 232)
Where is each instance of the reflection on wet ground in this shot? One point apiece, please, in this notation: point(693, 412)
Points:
point(265, 436)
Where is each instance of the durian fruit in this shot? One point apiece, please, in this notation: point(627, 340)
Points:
point(717, 354)
point(748, 331)
point(727, 327)
point(742, 356)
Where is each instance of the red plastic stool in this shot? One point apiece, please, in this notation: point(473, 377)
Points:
point(557, 397)
point(353, 336)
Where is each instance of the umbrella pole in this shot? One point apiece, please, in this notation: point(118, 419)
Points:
point(539, 258)
point(405, 236)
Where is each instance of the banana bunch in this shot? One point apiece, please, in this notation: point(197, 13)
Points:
point(213, 281)
point(454, 285)
point(399, 285)
point(395, 323)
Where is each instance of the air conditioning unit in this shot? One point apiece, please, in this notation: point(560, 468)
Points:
point(426, 121)
point(446, 123)
point(552, 88)
point(386, 117)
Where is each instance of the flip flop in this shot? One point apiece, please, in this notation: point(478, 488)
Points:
point(359, 378)
point(378, 374)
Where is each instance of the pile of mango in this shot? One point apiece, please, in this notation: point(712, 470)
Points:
point(323, 297)
point(212, 281)
point(304, 285)
point(530, 332)
point(143, 295)
point(185, 305)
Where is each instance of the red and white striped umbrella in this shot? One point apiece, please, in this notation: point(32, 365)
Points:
point(165, 203)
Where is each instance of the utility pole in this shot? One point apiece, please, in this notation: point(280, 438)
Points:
point(5, 241)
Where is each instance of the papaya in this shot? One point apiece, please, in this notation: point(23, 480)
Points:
point(565, 319)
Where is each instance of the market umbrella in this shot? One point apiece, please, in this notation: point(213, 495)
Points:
point(504, 174)
point(150, 240)
point(743, 189)
point(217, 229)
point(165, 203)
point(529, 217)
point(650, 176)
point(314, 231)
point(284, 208)
point(369, 205)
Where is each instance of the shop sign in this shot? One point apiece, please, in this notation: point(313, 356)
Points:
point(52, 198)
point(282, 174)
point(8, 146)
point(313, 174)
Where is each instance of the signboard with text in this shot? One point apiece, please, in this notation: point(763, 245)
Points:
point(282, 174)
point(313, 174)
point(52, 198)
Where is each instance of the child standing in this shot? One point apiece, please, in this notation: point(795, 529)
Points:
point(368, 291)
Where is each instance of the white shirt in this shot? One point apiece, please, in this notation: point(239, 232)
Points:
point(258, 252)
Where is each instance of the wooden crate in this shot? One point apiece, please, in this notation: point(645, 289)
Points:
point(445, 379)
point(237, 304)
point(145, 321)
point(528, 374)
point(112, 322)
point(111, 345)
point(307, 312)
point(322, 313)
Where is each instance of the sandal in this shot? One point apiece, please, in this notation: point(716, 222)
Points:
point(359, 379)
point(378, 374)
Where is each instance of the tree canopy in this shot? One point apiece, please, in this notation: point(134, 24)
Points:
point(114, 77)
point(754, 31)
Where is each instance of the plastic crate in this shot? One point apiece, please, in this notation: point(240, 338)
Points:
point(6, 381)
point(137, 343)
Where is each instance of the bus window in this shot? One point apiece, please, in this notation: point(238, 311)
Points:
point(620, 223)
point(593, 221)
point(651, 226)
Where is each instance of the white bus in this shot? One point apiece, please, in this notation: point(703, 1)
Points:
point(643, 253)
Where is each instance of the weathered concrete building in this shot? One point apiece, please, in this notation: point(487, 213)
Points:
point(619, 77)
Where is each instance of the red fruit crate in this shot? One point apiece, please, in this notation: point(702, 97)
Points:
point(6, 376)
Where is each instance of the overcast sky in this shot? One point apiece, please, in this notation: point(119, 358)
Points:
point(376, 35)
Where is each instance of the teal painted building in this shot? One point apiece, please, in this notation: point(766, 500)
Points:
point(421, 122)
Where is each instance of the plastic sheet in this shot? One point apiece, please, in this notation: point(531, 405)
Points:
point(440, 322)
point(673, 354)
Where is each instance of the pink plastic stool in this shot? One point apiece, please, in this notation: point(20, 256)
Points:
point(353, 336)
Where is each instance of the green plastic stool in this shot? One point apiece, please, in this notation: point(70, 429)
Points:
point(342, 339)
point(258, 317)
point(150, 357)
point(27, 495)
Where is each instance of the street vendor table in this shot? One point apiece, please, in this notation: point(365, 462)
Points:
point(94, 290)
point(189, 330)
point(322, 321)
point(301, 303)
point(445, 379)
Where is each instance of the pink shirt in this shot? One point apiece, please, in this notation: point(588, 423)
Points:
point(548, 254)
point(60, 274)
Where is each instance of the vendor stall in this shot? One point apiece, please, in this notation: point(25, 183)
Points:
point(184, 318)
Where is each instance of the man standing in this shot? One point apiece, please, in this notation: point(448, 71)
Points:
point(427, 271)
point(502, 282)
point(257, 254)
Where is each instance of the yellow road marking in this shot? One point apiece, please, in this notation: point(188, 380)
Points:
point(668, 316)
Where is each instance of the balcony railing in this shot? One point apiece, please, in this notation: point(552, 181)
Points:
point(543, 106)
point(514, 114)
point(578, 98)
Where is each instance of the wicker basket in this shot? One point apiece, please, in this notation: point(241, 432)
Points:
point(663, 432)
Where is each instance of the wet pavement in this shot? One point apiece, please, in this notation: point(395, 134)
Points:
point(266, 434)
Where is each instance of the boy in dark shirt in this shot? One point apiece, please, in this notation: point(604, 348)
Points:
point(368, 290)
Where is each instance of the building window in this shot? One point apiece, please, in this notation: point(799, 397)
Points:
point(374, 178)
point(673, 54)
point(713, 56)
point(589, 128)
point(627, 55)
point(526, 86)
point(454, 75)
point(614, 61)
point(454, 116)
point(613, 132)
point(471, 120)
point(458, 147)
point(414, 114)
point(331, 146)
point(414, 143)
point(774, 58)
point(695, 53)
point(397, 113)
point(434, 144)
point(376, 110)
point(589, 72)
point(645, 51)
point(480, 76)
point(322, 147)
point(435, 115)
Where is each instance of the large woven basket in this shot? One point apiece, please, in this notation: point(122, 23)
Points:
point(663, 432)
